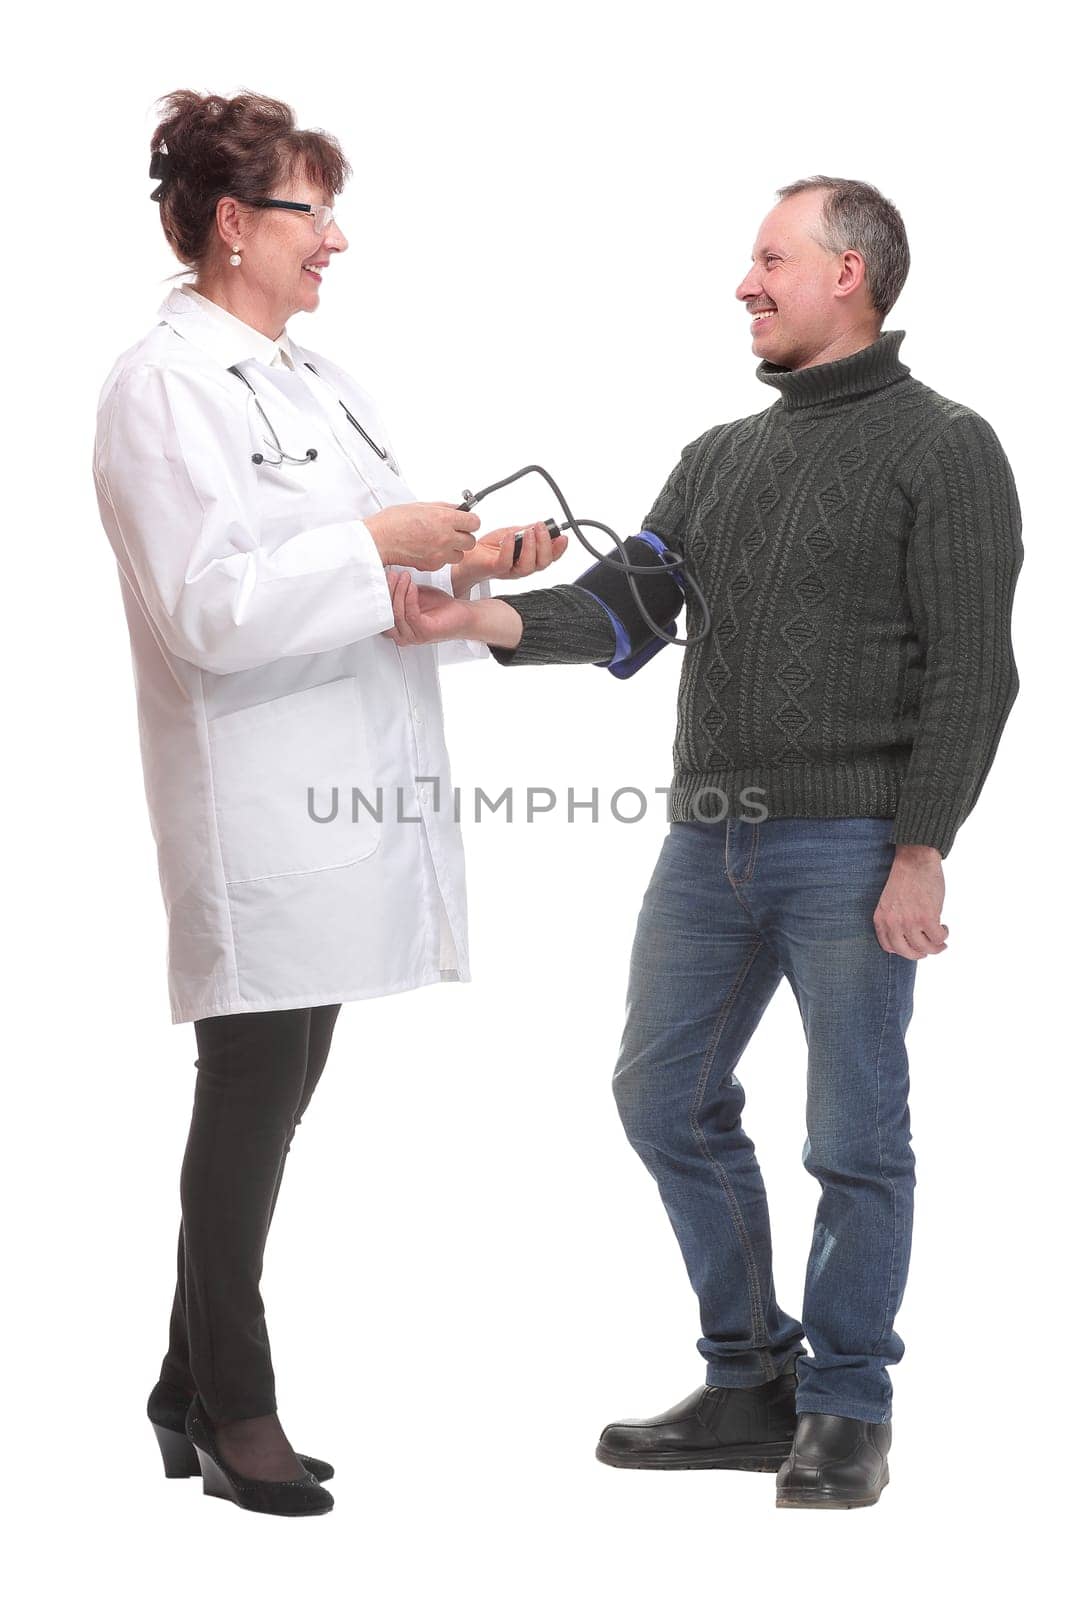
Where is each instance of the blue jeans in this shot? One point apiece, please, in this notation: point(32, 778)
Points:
point(731, 906)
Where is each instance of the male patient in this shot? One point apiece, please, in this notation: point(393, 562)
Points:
point(859, 542)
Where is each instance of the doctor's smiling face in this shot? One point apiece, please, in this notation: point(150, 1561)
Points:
point(283, 258)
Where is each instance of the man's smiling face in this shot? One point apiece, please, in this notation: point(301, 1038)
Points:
point(818, 300)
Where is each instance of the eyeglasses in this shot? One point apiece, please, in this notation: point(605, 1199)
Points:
point(321, 216)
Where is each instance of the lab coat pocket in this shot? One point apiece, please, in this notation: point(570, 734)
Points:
point(286, 479)
point(284, 773)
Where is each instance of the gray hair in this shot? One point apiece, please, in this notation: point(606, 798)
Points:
point(856, 216)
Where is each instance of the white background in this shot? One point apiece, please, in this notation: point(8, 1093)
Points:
point(470, 1272)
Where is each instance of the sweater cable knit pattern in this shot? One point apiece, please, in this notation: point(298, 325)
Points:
point(859, 542)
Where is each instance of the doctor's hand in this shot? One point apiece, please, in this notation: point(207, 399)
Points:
point(493, 555)
point(426, 614)
point(425, 534)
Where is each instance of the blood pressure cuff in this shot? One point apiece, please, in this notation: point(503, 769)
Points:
point(663, 597)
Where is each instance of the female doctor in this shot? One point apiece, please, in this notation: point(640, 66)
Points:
point(294, 759)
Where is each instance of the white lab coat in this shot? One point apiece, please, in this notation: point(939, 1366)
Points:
point(256, 603)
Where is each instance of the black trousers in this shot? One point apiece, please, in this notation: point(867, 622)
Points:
point(256, 1073)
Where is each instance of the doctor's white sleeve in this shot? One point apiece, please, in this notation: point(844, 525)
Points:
point(450, 651)
point(177, 485)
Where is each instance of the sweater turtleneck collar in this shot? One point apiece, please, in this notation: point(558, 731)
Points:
point(873, 367)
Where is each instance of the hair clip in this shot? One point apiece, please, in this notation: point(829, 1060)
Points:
point(160, 167)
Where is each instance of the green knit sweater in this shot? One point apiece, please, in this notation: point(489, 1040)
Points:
point(858, 542)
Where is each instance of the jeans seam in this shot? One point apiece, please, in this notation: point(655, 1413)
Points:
point(758, 1325)
point(751, 868)
point(822, 1408)
point(746, 876)
point(881, 1155)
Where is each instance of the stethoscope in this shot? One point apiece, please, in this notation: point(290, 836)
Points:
point(310, 454)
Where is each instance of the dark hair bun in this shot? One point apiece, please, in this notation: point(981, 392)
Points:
point(242, 147)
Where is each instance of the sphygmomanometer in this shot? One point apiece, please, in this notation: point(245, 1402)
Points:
point(641, 630)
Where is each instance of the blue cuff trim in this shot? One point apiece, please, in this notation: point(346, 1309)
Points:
point(626, 669)
point(661, 549)
point(653, 539)
point(622, 638)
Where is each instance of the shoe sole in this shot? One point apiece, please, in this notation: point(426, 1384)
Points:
point(825, 1500)
point(733, 1458)
point(219, 1487)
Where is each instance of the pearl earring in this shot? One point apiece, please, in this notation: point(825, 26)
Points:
point(235, 259)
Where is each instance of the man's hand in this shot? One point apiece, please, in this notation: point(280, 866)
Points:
point(908, 916)
point(492, 556)
point(426, 614)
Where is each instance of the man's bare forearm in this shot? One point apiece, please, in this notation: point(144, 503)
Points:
point(920, 854)
point(495, 622)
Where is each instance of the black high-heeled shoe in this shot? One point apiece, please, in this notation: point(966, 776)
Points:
point(287, 1497)
point(167, 1409)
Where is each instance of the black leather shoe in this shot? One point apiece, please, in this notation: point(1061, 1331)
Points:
point(286, 1497)
point(167, 1407)
point(835, 1461)
point(749, 1430)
